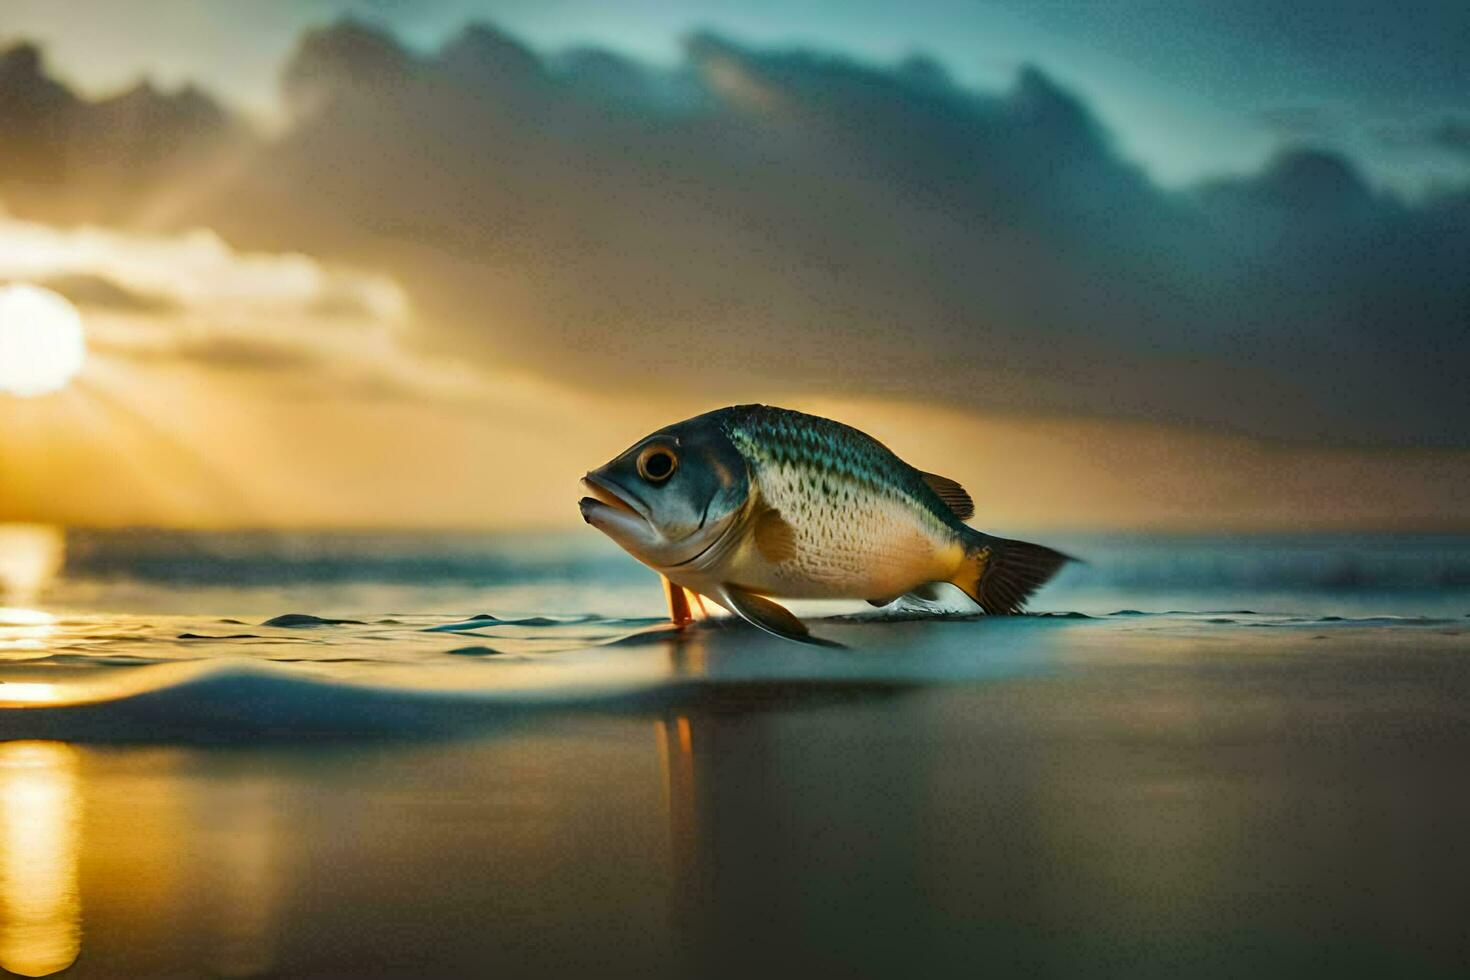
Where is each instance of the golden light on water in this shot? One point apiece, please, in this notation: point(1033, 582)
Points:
point(27, 693)
point(31, 555)
point(24, 618)
point(42, 343)
point(23, 636)
point(40, 908)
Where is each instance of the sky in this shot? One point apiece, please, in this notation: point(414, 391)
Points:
point(1190, 89)
point(1191, 266)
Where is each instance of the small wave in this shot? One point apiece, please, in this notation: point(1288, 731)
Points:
point(1318, 622)
point(919, 615)
point(305, 620)
point(1386, 620)
point(482, 620)
point(322, 660)
point(214, 703)
point(664, 633)
point(198, 702)
point(94, 660)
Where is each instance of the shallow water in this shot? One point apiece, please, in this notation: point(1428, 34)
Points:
point(1206, 757)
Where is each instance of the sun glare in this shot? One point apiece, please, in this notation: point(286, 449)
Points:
point(42, 345)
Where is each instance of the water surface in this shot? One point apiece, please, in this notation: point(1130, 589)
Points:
point(399, 755)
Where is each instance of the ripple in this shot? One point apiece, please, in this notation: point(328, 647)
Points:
point(305, 620)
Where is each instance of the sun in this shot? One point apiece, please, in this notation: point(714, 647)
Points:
point(42, 344)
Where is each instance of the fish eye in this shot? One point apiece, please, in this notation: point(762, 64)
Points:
point(657, 463)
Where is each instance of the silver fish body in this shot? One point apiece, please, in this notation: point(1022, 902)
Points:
point(752, 502)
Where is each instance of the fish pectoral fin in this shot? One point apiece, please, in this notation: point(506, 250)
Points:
point(880, 603)
point(775, 619)
point(955, 497)
point(775, 538)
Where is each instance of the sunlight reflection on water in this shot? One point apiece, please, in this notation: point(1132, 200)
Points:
point(31, 555)
point(40, 931)
point(24, 632)
point(27, 693)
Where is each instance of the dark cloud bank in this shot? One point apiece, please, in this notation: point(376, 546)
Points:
point(799, 219)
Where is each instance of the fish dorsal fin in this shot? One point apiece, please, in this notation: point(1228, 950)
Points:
point(775, 538)
point(775, 619)
point(955, 497)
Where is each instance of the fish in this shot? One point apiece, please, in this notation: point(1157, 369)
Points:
point(752, 503)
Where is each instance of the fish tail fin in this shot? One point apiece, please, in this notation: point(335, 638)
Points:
point(1001, 574)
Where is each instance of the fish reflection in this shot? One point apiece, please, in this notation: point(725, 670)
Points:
point(242, 877)
point(675, 738)
point(40, 928)
point(769, 829)
point(687, 654)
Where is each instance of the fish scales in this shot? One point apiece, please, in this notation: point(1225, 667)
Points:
point(851, 462)
point(860, 515)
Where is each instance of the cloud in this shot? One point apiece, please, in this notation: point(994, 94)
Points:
point(1449, 135)
point(755, 220)
point(101, 293)
point(86, 160)
point(190, 272)
point(190, 298)
point(230, 352)
point(1300, 122)
point(1453, 134)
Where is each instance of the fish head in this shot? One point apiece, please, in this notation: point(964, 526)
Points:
point(672, 495)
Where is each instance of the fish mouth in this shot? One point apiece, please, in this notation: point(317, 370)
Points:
point(607, 494)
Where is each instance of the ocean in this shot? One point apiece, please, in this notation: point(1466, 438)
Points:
point(330, 754)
